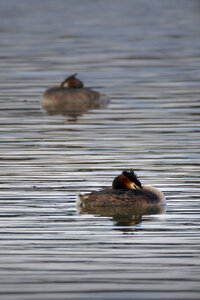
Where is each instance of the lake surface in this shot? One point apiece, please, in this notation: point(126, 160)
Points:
point(145, 55)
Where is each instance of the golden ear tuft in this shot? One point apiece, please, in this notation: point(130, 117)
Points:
point(72, 82)
point(133, 178)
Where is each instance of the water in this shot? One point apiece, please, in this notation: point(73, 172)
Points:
point(145, 55)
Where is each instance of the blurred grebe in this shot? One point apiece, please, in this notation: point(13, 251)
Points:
point(72, 96)
point(126, 191)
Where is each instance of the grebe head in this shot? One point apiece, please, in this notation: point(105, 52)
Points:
point(72, 82)
point(127, 180)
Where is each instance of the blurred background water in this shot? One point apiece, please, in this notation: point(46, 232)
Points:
point(145, 55)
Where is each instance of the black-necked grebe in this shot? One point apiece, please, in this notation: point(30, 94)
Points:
point(126, 191)
point(71, 96)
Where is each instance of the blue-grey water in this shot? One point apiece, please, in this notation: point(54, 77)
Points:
point(145, 55)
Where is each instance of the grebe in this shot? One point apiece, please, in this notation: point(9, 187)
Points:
point(72, 96)
point(127, 191)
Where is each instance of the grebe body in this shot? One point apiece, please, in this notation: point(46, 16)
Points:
point(126, 191)
point(72, 96)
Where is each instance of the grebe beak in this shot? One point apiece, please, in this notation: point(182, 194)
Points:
point(135, 186)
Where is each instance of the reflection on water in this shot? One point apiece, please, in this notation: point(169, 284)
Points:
point(66, 108)
point(145, 56)
point(124, 218)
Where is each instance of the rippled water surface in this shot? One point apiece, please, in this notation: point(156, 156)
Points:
point(146, 56)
